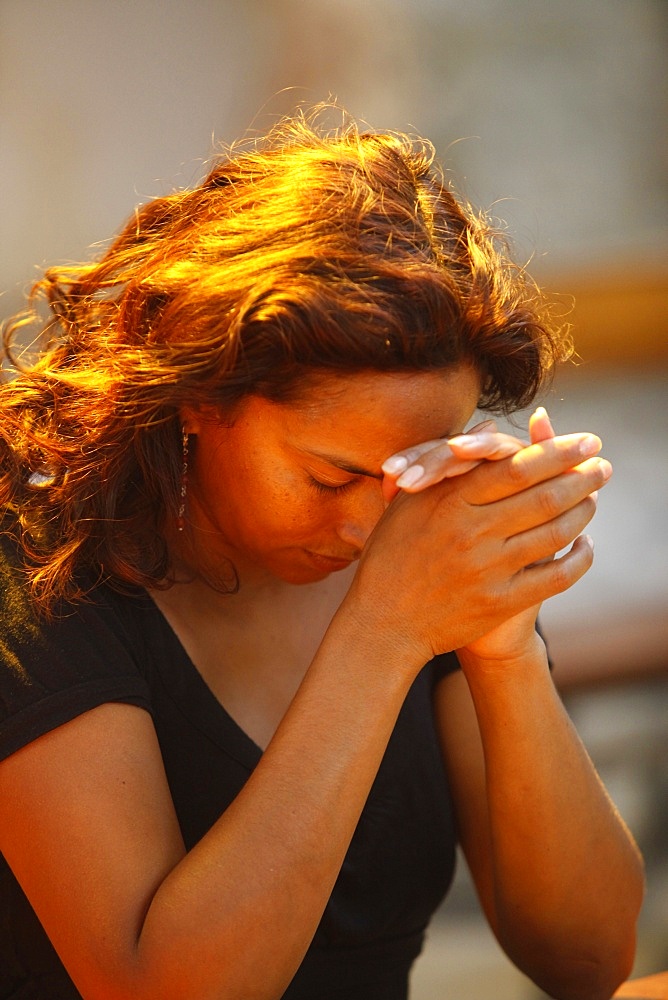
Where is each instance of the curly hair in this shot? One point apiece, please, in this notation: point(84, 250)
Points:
point(314, 250)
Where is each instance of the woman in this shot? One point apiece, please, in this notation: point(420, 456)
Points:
point(269, 646)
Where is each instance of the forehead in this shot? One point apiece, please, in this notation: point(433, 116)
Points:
point(355, 392)
point(389, 411)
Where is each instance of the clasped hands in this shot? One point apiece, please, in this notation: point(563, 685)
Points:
point(502, 510)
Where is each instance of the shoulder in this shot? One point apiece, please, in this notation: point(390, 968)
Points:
point(52, 669)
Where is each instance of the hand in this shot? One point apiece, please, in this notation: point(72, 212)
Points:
point(432, 461)
point(452, 563)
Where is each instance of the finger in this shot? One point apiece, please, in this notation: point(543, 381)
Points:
point(485, 446)
point(541, 429)
point(456, 456)
point(532, 585)
point(422, 466)
point(389, 489)
point(545, 503)
point(546, 579)
point(402, 460)
point(434, 466)
point(430, 462)
point(540, 426)
point(543, 542)
point(536, 464)
point(396, 464)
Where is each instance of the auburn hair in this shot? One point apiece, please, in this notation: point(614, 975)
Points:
point(315, 250)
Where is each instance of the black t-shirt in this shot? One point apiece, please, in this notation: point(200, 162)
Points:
point(116, 647)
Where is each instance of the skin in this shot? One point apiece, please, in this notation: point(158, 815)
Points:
point(86, 820)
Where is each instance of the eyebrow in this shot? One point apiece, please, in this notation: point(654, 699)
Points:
point(340, 463)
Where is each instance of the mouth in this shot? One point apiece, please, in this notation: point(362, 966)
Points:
point(329, 564)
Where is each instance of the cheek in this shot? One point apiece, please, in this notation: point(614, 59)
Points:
point(289, 506)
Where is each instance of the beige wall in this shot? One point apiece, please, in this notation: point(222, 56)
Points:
point(554, 113)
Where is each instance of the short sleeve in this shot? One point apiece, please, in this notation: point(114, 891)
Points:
point(54, 670)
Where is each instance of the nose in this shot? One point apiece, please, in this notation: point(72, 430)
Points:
point(358, 520)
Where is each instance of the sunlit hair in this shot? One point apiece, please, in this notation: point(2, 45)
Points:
point(316, 250)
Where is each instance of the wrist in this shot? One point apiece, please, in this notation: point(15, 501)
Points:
point(509, 691)
point(530, 655)
point(377, 637)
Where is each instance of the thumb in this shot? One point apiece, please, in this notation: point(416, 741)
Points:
point(540, 426)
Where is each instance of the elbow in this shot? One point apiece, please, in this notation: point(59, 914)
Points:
point(589, 966)
point(584, 960)
point(583, 981)
point(578, 977)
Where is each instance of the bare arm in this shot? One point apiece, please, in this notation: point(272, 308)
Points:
point(556, 870)
point(89, 829)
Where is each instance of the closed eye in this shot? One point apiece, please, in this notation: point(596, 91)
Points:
point(321, 487)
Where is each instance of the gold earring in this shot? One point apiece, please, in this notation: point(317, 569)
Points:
point(181, 516)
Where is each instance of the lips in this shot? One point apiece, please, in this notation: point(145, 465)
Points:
point(330, 564)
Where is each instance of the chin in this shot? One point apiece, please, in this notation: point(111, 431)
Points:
point(316, 569)
point(297, 577)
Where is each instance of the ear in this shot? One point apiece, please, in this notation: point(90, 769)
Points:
point(192, 417)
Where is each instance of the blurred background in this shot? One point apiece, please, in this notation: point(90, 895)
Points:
point(550, 115)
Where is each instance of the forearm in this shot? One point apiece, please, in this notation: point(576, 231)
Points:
point(241, 908)
point(567, 878)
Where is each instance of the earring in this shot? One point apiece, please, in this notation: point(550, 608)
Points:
point(181, 516)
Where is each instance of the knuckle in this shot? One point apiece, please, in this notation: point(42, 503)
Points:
point(492, 604)
point(467, 543)
point(518, 470)
point(562, 577)
point(549, 499)
point(568, 570)
point(434, 459)
point(411, 454)
point(465, 540)
point(595, 472)
point(559, 535)
point(588, 508)
point(566, 527)
point(603, 471)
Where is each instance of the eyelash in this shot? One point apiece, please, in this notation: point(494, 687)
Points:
point(324, 488)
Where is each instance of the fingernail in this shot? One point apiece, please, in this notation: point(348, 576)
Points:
point(397, 463)
point(605, 467)
point(590, 541)
point(465, 442)
point(590, 444)
point(543, 415)
point(411, 476)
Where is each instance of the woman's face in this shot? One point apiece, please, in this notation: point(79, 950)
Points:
point(293, 490)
